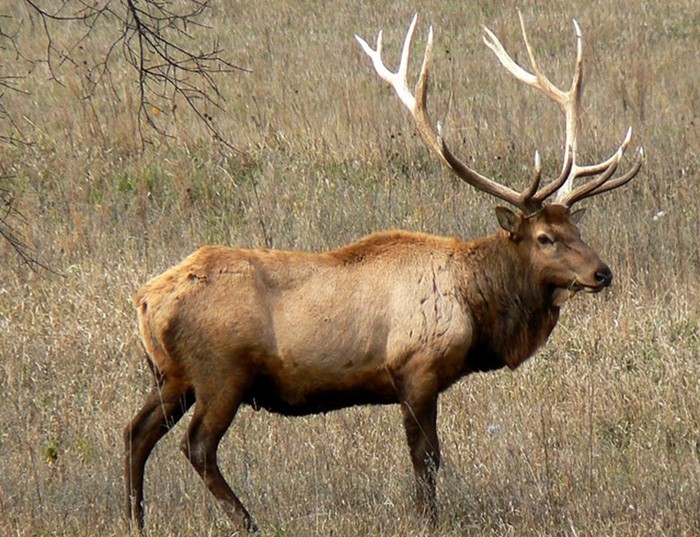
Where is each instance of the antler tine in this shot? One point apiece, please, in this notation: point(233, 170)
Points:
point(603, 183)
point(622, 180)
point(430, 134)
point(396, 80)
point(606, 169)
point(511, 65)
point(537, 178)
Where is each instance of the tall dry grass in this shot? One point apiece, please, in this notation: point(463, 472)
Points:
point(599, 434)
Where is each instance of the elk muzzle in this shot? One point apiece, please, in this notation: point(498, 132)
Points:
point(602, 277)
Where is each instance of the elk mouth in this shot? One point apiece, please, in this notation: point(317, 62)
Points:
point(563, 294)
point(603, 279)
point(592, 289)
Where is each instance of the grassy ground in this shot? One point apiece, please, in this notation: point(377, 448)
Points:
point(599, 434)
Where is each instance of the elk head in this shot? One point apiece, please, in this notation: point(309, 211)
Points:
point(546, 232)
point(551, 241)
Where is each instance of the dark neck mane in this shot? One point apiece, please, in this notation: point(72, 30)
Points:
point(513, 312)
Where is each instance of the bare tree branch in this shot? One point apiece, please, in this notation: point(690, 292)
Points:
point(152, 32)
point(10, 218)
point(155, 37)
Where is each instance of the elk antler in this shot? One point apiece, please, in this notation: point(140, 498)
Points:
point(532, 198)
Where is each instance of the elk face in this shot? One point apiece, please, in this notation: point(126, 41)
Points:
point(552, 242)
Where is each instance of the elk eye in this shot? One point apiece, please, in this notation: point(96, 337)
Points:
point(544, 239)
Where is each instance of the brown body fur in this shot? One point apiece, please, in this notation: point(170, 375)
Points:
point(396, 317)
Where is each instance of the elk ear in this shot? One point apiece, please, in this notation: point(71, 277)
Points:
point(508, 220)
point(576, 216)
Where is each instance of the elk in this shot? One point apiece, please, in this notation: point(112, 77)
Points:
point(394, 318)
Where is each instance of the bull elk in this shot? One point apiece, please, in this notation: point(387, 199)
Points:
point(396, 317)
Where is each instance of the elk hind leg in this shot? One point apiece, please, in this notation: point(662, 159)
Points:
point(213, 415)
point(166, 404)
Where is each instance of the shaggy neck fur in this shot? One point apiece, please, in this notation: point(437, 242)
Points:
point(513, 311)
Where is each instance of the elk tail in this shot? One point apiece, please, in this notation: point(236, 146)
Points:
point(156, 354)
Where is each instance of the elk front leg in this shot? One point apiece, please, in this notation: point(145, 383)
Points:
point(420, 422)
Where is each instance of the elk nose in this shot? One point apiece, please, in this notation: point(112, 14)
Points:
point(604, 276)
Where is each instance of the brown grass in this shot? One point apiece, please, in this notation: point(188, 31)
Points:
point(597, 435)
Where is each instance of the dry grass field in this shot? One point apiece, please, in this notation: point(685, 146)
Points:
point(598, 434)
